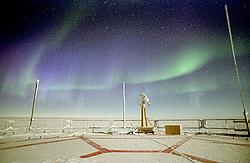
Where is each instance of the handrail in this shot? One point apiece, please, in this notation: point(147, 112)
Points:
point(93, 125)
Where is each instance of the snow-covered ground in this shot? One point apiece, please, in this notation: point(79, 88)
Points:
point(76, 140)
point(124, 148)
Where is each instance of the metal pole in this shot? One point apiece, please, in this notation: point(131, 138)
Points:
point(34, 103)
point(124, 103)
point(237, 71)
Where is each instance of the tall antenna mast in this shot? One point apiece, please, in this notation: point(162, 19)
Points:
point(237, 71)
point(124, 103)
point(34, 103)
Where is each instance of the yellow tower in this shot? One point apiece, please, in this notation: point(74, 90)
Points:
point(145, 125)
point(144, 119)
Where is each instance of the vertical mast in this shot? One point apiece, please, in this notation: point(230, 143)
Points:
point(34, 103)
point(237, 71)
point(124, 103)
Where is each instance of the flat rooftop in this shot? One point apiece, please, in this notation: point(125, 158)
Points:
point(124, 148)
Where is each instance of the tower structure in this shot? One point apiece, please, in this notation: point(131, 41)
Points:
point(145, 124)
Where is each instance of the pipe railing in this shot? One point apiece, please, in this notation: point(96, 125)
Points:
point(60, 125)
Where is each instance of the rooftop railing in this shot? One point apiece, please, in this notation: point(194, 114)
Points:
point(87, 126)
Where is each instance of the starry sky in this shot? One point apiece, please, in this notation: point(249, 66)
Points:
point(177, 52)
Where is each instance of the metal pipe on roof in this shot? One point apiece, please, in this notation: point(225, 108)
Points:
point(34, 103)
point(237, 71)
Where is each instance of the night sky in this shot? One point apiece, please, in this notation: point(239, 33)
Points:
point(177, 51)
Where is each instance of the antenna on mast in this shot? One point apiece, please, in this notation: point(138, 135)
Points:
point(34, 103)
point(237, 71)
point(124, 103)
